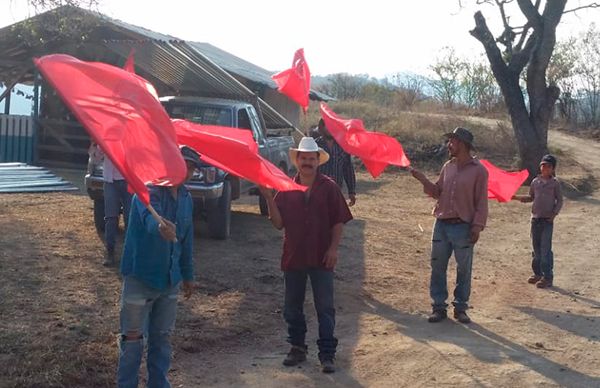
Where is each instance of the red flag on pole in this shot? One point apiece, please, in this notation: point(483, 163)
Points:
point(502, 185)
point(295, 82)
point(129, 63)
point(235, 151)
point(124, 118)
point(375, 149)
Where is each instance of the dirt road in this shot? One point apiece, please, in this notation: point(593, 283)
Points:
point(232, 334)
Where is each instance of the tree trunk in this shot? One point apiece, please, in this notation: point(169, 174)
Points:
point(530, 126)
point(531, 147)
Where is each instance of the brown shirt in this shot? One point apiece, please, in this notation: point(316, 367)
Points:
point(308, 223)
point(547, 197)
point(462, 192)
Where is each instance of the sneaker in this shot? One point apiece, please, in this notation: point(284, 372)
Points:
point(327, 365)
point(462, 316)
point(296, 355)
point(534, 279)
point(109, 259)
point(544, 283)
point(437, 316)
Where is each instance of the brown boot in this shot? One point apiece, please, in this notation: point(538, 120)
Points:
point(534, 279)
point(109, 258)
point(437, 316)
point(544, 283)
point(462, 316)
point(296, 355)
point(328, 365)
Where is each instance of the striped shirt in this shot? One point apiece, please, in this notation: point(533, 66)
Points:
point(339, 167)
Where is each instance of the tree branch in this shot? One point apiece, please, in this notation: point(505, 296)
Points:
point(531, 13)
point(520, 58)
point(482, 33)
point(593, 5)
point(523, 37)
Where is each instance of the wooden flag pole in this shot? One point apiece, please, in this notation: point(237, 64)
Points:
point(157, 217)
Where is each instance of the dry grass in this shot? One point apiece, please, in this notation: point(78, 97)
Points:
point(421, 132)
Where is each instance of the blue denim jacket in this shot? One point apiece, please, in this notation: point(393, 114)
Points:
point(158, 263)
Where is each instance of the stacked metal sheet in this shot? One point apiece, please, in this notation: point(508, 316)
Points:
point(23, 178)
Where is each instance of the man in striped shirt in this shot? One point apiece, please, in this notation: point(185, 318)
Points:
point(339, 167)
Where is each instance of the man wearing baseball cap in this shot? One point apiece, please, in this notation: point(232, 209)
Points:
point(157, 262)
point(461, 213)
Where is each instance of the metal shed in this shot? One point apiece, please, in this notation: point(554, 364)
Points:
point(174, 66)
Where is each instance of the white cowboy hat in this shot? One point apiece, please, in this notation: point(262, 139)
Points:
point(308, 144)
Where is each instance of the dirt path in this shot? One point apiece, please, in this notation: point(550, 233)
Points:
point(521, 336)
point(231, 332)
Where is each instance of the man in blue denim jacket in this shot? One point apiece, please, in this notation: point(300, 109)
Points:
point(157, 261)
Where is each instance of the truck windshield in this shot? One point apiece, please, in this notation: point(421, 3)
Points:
point(207, 115)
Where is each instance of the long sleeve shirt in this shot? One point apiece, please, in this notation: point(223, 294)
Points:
point(461, 192)
point(339, 167)
point(158, 263)
point(547, 197)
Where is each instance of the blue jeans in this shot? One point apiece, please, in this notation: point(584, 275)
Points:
point(146, 314)
point(542, 262)
point(293, 310)
point(115, 197)
point(448, 238)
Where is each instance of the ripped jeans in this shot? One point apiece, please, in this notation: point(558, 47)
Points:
point(148, 315)
point(448, 238)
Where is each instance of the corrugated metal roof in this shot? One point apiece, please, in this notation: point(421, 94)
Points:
point(245, 69)
point(23, 178)
point(183, 69)
point(235, 65)
point(170, 63)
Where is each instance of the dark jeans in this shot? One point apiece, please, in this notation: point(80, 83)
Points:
point(541, 239)
point(293, 311)
point(448, 238)
point(115, 196)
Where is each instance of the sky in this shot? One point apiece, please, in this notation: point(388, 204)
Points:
point(376, 37)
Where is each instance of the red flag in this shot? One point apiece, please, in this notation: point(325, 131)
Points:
point(375, 149)
point(120, 113)
point(295, 82)
point(129, 63)
point(502, 185)
point(235, 151)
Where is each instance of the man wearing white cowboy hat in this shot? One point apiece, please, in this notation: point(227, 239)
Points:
point(313, 223)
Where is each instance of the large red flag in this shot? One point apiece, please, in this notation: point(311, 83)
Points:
point(295, 82)
point(123, 117)
point(502, 185)
point(234, 151)
point(375, 149)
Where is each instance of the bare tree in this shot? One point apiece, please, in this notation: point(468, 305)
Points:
point(561, 72)
point(44, 5)
point(344, 86)
point(478, 87)
point(587, 72)
point(527, 48)
point(446, 85)
point(410, 89)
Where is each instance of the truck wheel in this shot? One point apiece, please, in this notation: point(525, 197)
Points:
point(99, 215)
point(219, 214)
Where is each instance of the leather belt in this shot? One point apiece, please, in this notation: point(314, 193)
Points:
point(453, 220)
